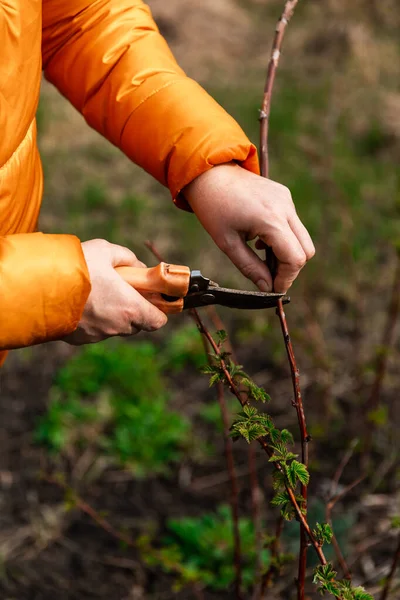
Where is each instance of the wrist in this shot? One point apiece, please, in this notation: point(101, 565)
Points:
point(207, 181)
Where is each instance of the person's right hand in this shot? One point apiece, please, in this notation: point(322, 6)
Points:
point(113, 307)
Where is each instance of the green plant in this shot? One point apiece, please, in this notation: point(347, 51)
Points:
point(64, 418)
point(204, 548)
point(116, 391)
point(325, 579)
point(288, 472)
point(342, 525)
point(145, 439)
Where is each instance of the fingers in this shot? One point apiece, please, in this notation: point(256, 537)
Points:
point(232, 203)
point(303, 236)
point(123, 257)
point(113, 307)
point(249, 263)
point(145, 316)
point(290, 254)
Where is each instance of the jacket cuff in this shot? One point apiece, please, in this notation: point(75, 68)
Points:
point(176, 140)
point(44, 283)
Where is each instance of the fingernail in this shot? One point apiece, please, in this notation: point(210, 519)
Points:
point(263, 285)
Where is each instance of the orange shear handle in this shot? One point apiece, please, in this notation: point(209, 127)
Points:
point(171, 280)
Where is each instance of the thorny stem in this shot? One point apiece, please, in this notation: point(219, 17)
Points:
point(264, 445)
point(297, 401)
point(269, 85)
point(219, 325)
point(264, 160)
point(347, 489)
point(389, 579)
point(236, 392)
point(92, 513)
point(151, 246)
point(256, 494)
point(102, 522)
point(382, 360)
point(305, 438)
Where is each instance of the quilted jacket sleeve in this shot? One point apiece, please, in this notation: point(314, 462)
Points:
point(47, 311)
point(108, 58)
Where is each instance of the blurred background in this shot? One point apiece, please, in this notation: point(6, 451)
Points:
point(130, 427)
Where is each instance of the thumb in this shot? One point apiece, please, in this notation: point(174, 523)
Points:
point(249, 264)
point(123, 257)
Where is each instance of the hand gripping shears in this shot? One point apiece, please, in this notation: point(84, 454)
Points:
point(174, 288)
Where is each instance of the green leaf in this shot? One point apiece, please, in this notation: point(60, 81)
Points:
point(216, 378)
point(276, 458)
point(238, 429)
point(207, 369)
point(250, 411)
point(255, 392)
point(265, 420)
point(287, 512)
point(235, 370)
point(291, 456)
point(286, 437)
point(332, 588)
point(246, 435)
point(257, 430)
point(280, 498)
point(298, 472)
point(279, 449)
point(325, 578)
point(359, 593)
point(254, 431)
point(278, 480)
point(323, 533)
point(275, 435)
point(222, 336)
point(241, 417)
point(324, 573)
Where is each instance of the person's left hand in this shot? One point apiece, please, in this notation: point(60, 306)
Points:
point(236, 206)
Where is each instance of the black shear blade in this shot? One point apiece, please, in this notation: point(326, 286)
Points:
point(233, 299)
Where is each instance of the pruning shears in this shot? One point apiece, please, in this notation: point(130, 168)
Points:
point(174, 288)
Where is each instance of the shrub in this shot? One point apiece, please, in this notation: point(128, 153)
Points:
point(113, 396)
point(203, 548)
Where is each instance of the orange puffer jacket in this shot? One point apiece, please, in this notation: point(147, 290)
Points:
point(108, 58)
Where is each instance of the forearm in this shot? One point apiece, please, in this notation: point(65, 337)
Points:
point(109, 59)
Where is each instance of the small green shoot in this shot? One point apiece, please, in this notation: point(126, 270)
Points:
point(325, 579)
